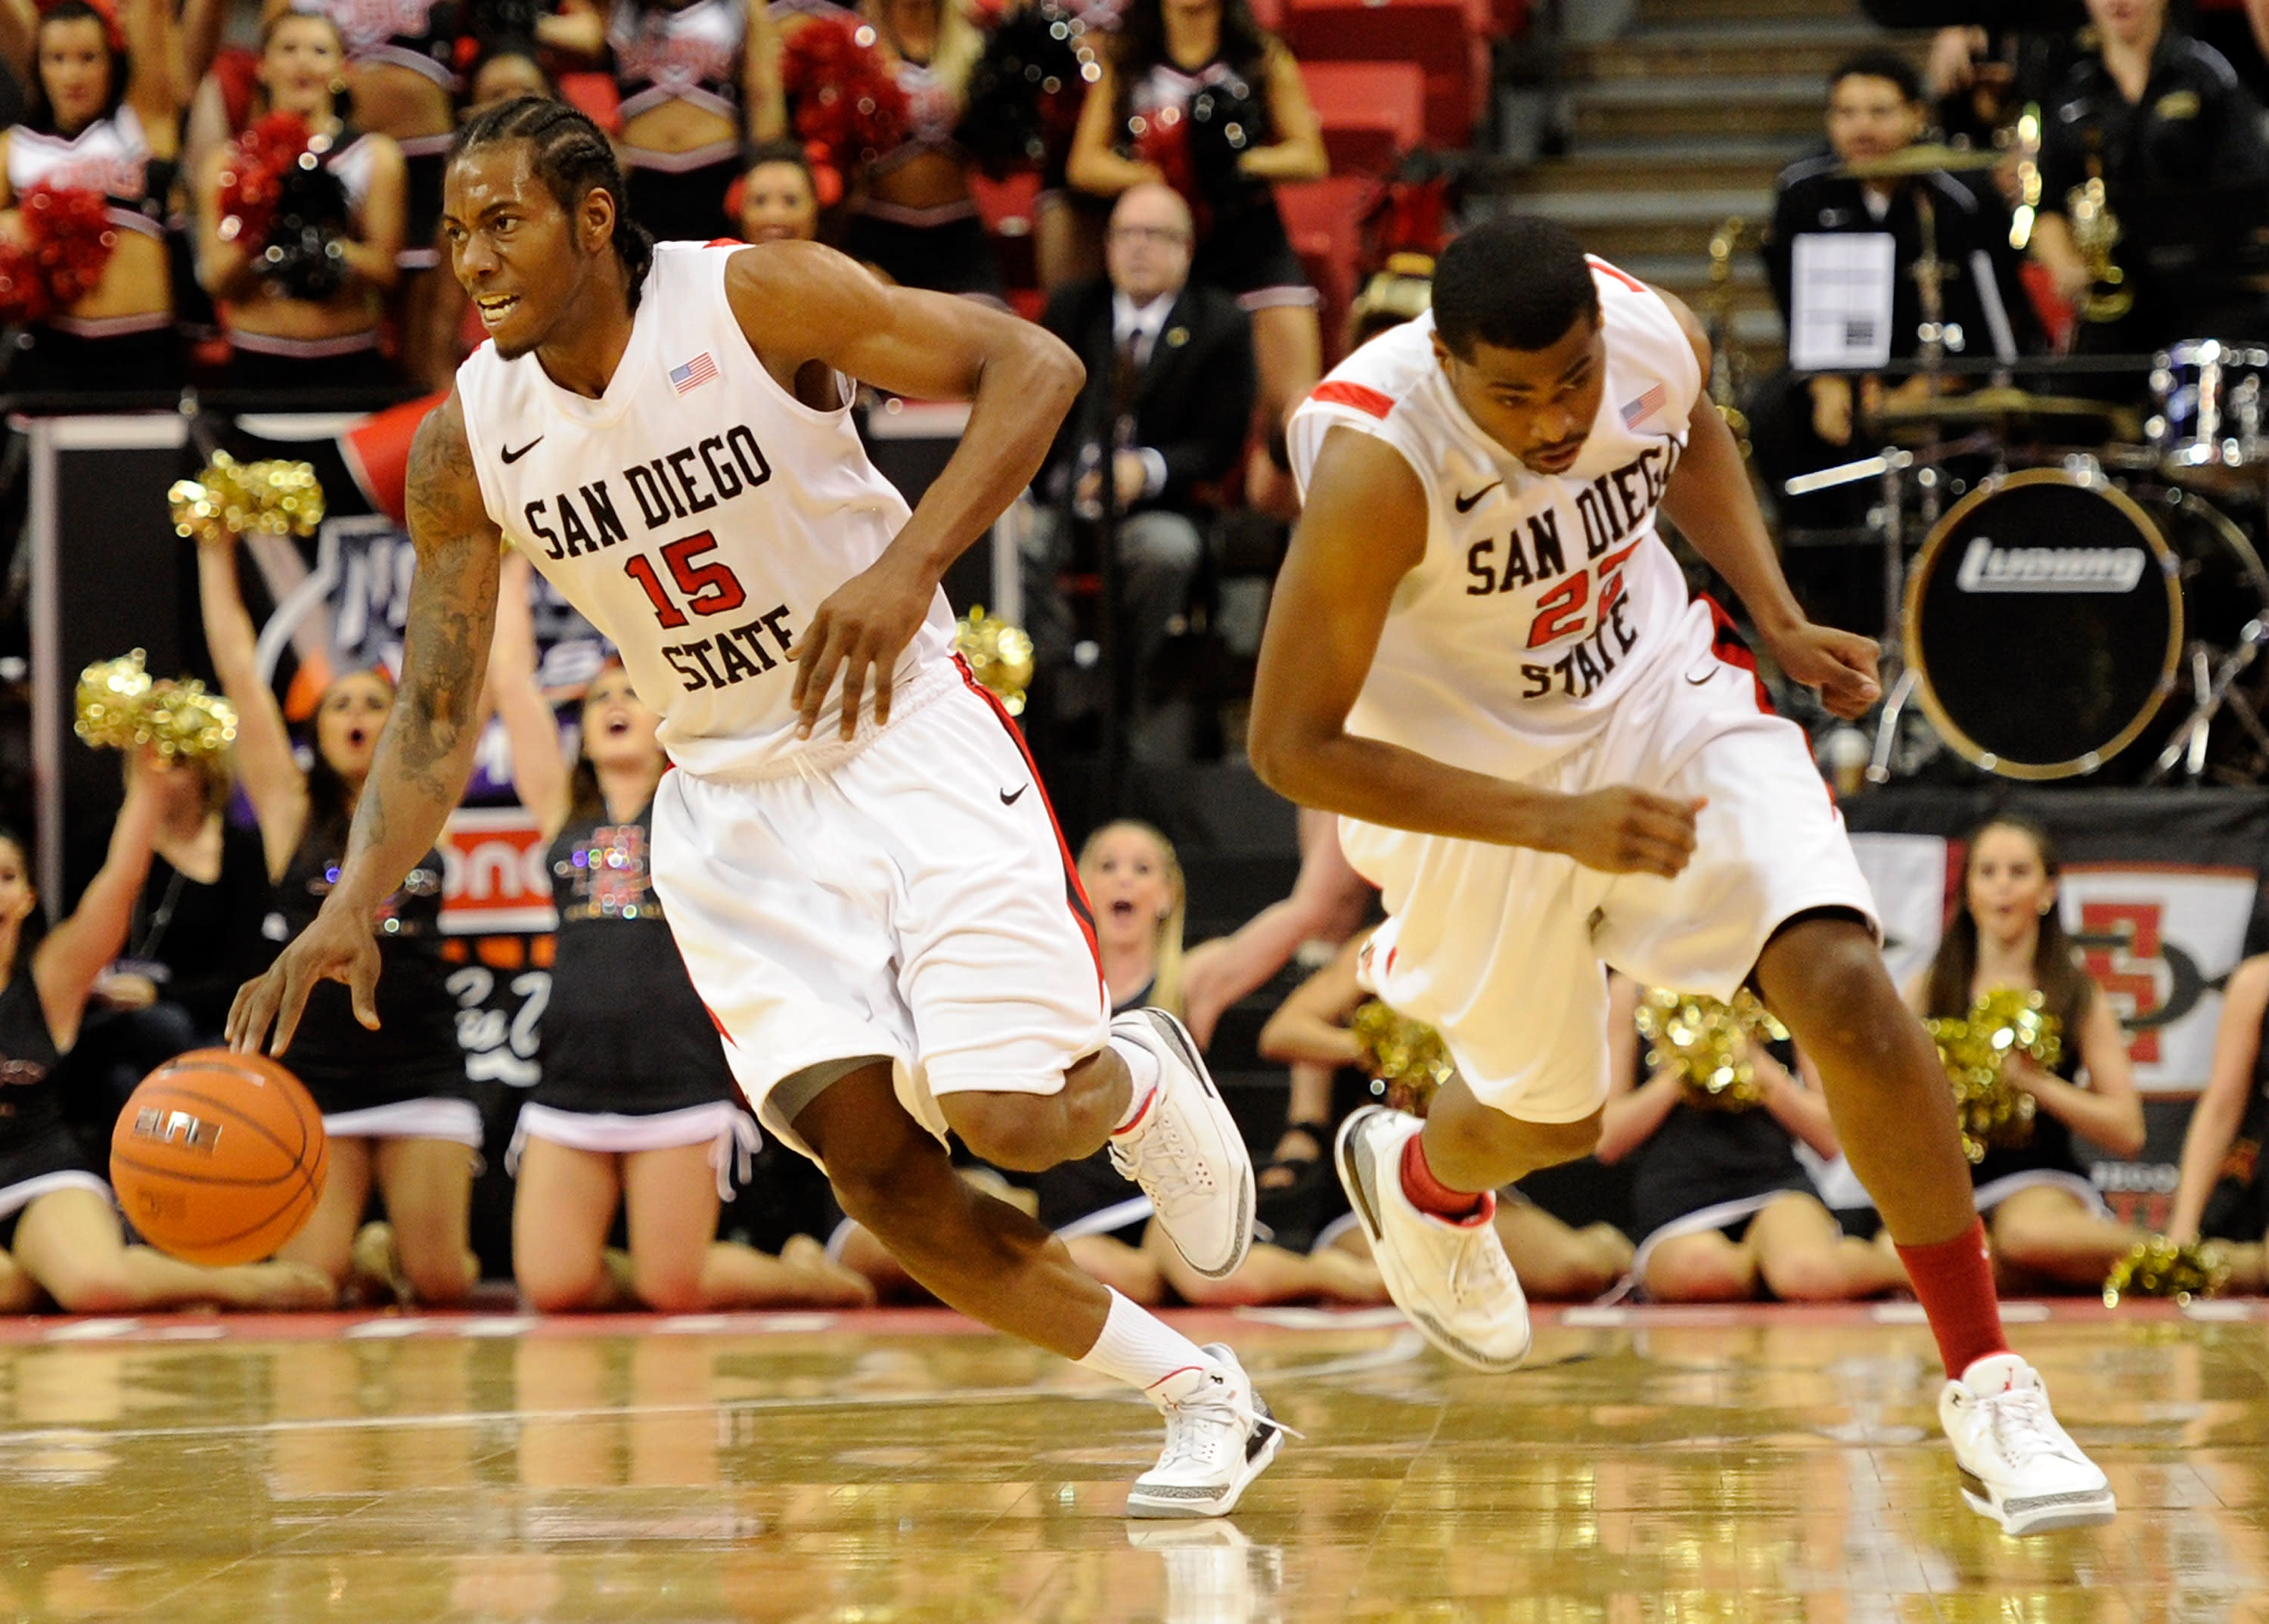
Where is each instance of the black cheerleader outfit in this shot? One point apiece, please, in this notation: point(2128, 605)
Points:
point(944, 249)
point(630, 1059)
point(406, 1078)
point(2237, 1206)
point(260, 361)
point(38, 1154)
point(690, 53)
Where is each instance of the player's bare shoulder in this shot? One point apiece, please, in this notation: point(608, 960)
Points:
point(444, 492)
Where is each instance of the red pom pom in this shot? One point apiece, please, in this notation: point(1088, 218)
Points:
point(845, 97)
point(252, 183)
point(23, 294)
point(70, 240)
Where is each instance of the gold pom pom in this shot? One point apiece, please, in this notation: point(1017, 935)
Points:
point(110, 700)
point(231, 499)
point(1708, 1042)
point(2158, 1267)
point(121, 708)
point(1000, 656)
point(1407, 1056)
point(1976, 1050)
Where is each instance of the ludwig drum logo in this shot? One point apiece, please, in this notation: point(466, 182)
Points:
point(1988, 568)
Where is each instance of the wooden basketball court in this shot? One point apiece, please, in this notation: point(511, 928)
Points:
point(1651, 1465)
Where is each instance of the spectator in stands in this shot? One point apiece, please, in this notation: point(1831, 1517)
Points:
point(1799, 424)
point(195, 936)
point(1311, 1032)
point(2179, 145)
point(102, 116)
point(2222, 1193)
point(637, 1108)
point(778, 198)
point(1165, 410)
point(1136, 126)
point(394, 1100)
point(1726, 1210)
point(2048, 1226)
point(914, 219)
point(311, 320)
point(699, 81)
point(59, 1233)
point(400, 74)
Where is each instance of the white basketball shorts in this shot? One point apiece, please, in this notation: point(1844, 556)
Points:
point(1501, 948)
point(908, 895)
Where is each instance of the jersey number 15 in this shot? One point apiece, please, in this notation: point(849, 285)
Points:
point(708, 588)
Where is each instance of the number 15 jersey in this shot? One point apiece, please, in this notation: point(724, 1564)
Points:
point(697, 513)
point(1541, 599)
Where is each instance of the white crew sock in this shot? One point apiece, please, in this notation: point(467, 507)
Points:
point(1143, 1071)
point(1138, 1349)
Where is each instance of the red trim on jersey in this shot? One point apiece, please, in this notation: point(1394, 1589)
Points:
point(1727, 642)
point(724, 242)
point(1082, 911)
point(1339, 392)
point(716, 1022)
point(1623, 277)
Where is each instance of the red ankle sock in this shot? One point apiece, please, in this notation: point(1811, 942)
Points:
point(1430, 1194)
point(1954, 1281)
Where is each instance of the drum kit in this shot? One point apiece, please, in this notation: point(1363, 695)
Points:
point(2092, 603)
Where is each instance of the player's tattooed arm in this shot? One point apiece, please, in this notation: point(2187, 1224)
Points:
point(426, 752)
point(807, 311)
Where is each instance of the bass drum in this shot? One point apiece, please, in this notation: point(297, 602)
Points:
point(2050, 613)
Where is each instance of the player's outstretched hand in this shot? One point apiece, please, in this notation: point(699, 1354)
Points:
point(1840, 664)
point(335, 947)
point(862, 628)
point(1624, 830)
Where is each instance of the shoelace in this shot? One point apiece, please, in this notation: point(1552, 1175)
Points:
point(1479, 1270)
point(1160, 1161)
point(1197, 1426)
point(2022, 1424)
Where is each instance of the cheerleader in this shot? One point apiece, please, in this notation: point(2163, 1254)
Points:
point(699, 81)
point(1309, 1033)
point(391, 1082)
point(1135, 125)
point(316, 323)
point(1728, 1211)
point(2220, 1195)
point(102, 118)
point(59, 1233)
point(2049, 1226)
point(636, 1107)
point(779, 199)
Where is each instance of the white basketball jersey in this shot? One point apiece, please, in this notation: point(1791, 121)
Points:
point(697, 513)
point(1541, 599)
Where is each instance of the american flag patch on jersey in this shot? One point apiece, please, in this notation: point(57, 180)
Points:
point(702, 368)
point(1645, 406)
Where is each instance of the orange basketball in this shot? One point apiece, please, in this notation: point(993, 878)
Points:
point(219, 1157)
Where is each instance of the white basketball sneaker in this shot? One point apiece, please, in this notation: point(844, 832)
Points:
point(2029, 1476)
point(1452, 1279)
point(1219, 1437)
point(1186, 1150)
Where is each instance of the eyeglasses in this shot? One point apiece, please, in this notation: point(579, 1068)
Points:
point(1166, 236)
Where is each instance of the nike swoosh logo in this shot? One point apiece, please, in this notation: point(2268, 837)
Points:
point(1464, 504)
point(1702, 681)
point(512, 456)
point(1007, 800)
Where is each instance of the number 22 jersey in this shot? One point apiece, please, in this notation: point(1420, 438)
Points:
point(1541, 599)
point(697, 513)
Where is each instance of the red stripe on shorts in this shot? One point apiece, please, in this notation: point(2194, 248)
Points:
point(1082, 911)
point(1336, 391)
point(1729, 645)
point(1623, 277)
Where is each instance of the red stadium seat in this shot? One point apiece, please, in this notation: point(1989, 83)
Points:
point(1008, 208)
point(1372, 111)
point(1324, 219)
point(1446, 38)
point(1269, 14)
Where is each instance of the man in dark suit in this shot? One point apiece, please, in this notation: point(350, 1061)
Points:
point(1168, 401)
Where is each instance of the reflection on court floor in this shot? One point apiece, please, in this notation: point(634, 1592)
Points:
point(1709, 1464)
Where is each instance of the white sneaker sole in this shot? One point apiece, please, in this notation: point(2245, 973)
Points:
point(1219, 1504)
point(2041, 1513)
point(1397, 1280)
point(1176, 1037)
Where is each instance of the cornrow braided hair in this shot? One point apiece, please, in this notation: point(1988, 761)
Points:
point(572, 157)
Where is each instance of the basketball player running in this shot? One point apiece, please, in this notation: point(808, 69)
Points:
point(874, 906)
point(1481, 656)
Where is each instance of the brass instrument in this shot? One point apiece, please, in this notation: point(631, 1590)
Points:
point(2025, 141)
point(2095, 231)
point(1726, 365)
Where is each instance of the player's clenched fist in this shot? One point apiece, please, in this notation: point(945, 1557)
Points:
point(335, 947)
point(1624, 830)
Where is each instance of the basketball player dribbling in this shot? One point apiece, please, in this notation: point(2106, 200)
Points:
point(873, 900)
point(1481, 656)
